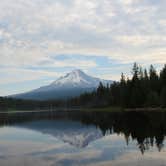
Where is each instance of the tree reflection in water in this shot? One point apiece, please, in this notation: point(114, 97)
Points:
point(147, 128)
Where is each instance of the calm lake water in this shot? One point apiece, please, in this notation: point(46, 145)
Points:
point(83, 139)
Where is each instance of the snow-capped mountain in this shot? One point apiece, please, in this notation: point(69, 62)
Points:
point(77, 78)
point(70, 85)
point(73, 133)
point(74, 79)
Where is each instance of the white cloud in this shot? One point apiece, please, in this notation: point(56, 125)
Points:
point(138, 40)
point(16, 75)
point(124, 30)
point(79, 26)
point(151, 56)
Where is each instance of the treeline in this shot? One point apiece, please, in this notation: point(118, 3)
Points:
point(19, 104)
point(146, 88)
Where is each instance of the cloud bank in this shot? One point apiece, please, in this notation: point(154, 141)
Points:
point(34, 33)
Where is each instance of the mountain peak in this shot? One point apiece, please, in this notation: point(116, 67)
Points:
point(71, 84)
point(76, 78)
point(77, 71)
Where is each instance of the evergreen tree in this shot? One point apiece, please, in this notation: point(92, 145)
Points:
point(146, 77)
point(135, 72)
point(163, 76)
point(141, 73)
point(154, 79)
point(123, 91)
point(136, 98)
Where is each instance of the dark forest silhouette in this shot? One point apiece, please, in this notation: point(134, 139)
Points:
point(146, 88)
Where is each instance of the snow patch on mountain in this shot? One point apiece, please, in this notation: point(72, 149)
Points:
point(75, 79)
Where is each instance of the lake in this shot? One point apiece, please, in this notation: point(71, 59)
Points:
point(73, 138)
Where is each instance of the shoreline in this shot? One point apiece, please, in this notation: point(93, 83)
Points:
point(104, 109)
point(119, 109)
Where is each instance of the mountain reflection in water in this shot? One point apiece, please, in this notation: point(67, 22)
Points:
point(147, 128)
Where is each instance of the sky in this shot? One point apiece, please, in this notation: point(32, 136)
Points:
point(41, 40)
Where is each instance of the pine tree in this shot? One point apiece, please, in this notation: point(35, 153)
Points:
point(163, 76)
point(135, 72)
point(122, 90)
point(154, 79)
point(136, 97)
